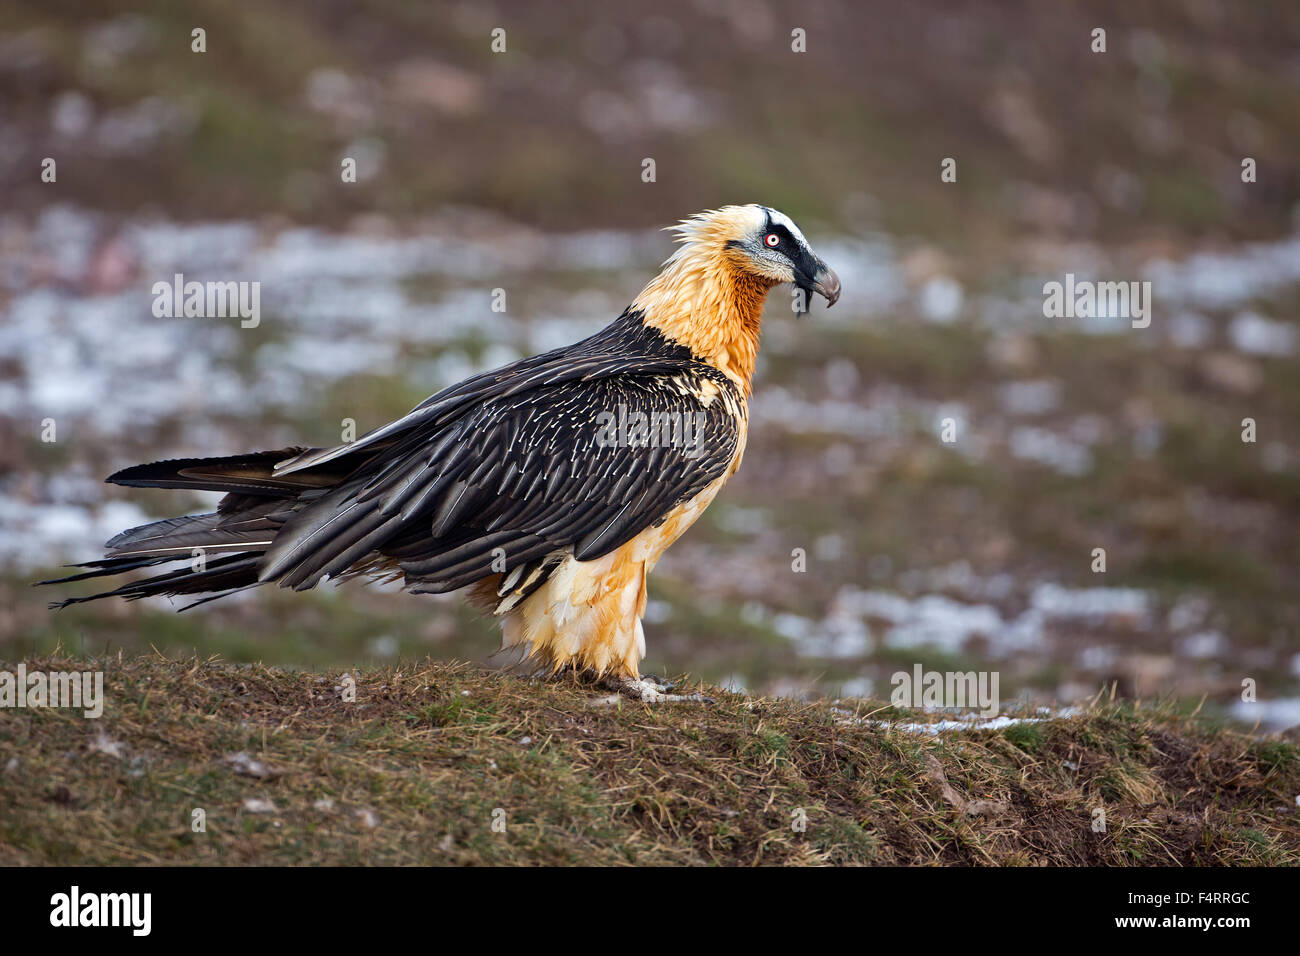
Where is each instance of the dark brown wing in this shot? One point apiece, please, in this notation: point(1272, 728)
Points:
point(584, 463)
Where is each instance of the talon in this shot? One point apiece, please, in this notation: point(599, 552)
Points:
point(648, 692)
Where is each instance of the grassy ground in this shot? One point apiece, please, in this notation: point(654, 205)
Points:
point(416, 769)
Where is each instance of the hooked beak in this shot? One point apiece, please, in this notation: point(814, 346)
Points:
point(827, 284)
point(824, 282)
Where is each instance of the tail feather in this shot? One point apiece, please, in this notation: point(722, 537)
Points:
point(105, 567)
point(185, 534)
point(256, 506)
point(223, 575)
point(251, 474)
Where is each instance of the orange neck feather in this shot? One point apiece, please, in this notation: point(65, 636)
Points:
point(705, 300)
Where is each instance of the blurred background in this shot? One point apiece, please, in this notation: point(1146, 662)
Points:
point(522, 170)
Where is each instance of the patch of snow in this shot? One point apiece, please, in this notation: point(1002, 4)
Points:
point(1252, 333)
point(1048, 448)
point(1277, 714)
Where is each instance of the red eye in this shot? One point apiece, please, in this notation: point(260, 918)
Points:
point(773, 240)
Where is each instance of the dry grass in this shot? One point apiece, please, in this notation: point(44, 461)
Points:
point(413, 770)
